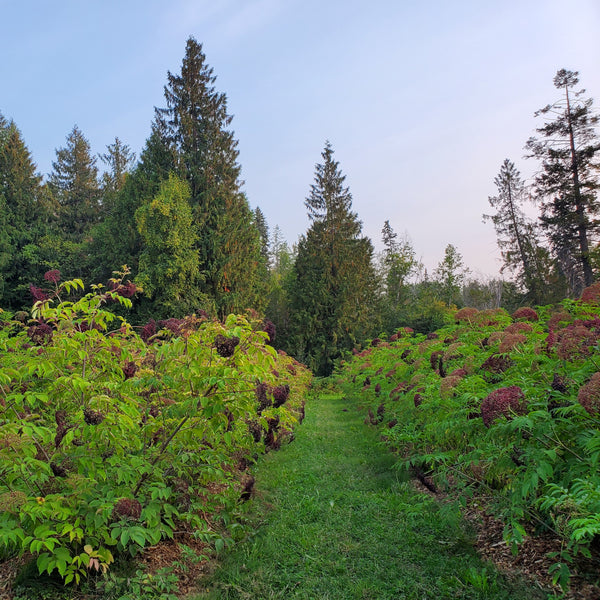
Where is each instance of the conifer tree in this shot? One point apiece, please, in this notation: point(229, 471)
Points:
point(110, 237)
point(332, 294)
point(516, 234)
point(263, 229)
point(568, 182)
point(119, 159)
point(75, 190)
point(117, 240)
point(196, 124)
point(450, 274)
point(74, 184)
point(25, 212)
point(281, 262)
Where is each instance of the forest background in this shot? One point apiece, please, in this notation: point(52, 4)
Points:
point(178, 218)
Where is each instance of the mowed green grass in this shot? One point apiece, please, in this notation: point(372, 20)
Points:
point(336, 521)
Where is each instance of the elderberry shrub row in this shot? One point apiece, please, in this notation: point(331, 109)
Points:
point(498, 406)
point(113, 438)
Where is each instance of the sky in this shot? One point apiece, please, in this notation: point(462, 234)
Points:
point(422, 100)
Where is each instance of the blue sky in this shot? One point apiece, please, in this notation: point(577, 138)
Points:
point(421, 100)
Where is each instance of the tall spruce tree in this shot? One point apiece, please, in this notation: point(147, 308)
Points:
point(333, 290)
point(196, 124)
point(74, 184)
point(75, 190)
point(517, 235)
point(25, 212)
point(568, 182)
point(119, 159)
point(263, 229)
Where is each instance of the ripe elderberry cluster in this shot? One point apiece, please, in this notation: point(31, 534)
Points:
point(503, 402)
point(93, 417)
point(525, 314)
point(226, 346)
point(261, 395)
point(40, 333)
point(127, 508)
point(589, 395)
point(280, 395)
point(126, 290)
point(269, 328)
point(129, 369)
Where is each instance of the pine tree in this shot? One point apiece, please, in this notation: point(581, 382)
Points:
point(516, 234)
point(196, 125)
point(450, 275)
point(332, 294)
point(25, 212)
point(74, 184)
point(568, 182)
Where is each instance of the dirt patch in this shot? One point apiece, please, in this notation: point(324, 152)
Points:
point(531, 561)
point(188, 569)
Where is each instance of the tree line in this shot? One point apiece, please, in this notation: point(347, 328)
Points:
point(179, 220)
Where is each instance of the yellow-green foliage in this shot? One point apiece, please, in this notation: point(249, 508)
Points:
point(111, 441)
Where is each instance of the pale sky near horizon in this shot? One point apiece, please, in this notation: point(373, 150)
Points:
point(421, 100)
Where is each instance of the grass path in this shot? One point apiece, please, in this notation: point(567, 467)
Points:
point(338, 522)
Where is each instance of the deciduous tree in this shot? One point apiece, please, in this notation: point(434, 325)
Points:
point(450, 275)
point(168, 265)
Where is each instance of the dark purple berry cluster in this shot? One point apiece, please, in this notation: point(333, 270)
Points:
point(93, 417)
point(280, 395)
point(129, 369)
point(226, 346)
point(127, 508)
point(503, 402)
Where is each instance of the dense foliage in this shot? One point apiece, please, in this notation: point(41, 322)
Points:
point(113, 439)
point(323, 293)
point(333, 287)
point(504, 408)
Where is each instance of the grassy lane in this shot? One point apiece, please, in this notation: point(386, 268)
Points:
point(339, 523)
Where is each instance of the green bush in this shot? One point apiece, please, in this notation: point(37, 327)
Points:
point(503, 407)
point(111, 441)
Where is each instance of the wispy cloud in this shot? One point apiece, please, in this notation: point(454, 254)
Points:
point(249, 17)
point(225, 21)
